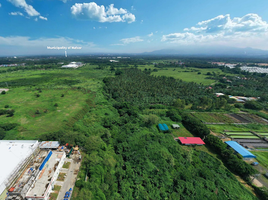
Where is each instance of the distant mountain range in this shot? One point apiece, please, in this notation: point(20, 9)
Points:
point(210, 51)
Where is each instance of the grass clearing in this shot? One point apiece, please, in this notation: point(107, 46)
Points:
point(53, 196)
point(66, 165)
point(57, 188)
point(186, 74)
point(61, 176)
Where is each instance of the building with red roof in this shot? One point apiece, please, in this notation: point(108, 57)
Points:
point(191, 140)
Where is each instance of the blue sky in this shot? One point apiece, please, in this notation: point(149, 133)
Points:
point(130, 26)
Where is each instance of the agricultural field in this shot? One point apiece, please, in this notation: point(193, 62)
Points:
point(245, 136)
point(262, 134)
point(238, 133)
point(214, 117)
point(220, 128)
point(248, 118)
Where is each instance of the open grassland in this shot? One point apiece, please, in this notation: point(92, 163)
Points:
point(40, 114)
point(262, 157)
point(45, 100)
point(186, 74)
point(189, 75)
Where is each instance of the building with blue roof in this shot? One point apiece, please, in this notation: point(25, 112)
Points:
point(241, 150)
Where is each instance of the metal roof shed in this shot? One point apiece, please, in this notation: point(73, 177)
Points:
point(175, 126)
point(239, 149)
point(191, 140)
point(161, 128)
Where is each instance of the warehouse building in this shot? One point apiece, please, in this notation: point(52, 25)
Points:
point(15, 156)
point(241, 150)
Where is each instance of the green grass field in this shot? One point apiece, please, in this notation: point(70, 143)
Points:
point(187, 74)
point(262, 157)
point(38, 115)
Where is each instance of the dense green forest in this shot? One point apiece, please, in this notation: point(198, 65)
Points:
point(140, 88)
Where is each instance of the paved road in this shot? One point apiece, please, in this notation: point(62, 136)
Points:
point(69, 180)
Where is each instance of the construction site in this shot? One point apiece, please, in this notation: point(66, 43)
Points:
point(33, 168)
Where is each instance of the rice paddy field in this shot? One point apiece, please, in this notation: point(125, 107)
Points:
point(238, 133)
point(263, 134)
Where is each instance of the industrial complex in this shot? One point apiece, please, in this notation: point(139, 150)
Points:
point(32, 168)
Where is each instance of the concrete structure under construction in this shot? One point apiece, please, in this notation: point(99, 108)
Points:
point(44, 183)
point(38, 178)
point(15, 156)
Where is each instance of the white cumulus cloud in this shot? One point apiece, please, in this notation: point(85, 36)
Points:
point(95, 12)
point(244, 31)
point(0, 5)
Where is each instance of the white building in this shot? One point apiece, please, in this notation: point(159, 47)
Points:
point(73, 65)
point(14, 156)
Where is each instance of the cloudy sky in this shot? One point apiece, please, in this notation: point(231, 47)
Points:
point(130, 26)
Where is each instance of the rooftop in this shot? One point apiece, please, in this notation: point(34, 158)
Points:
point(49, 145)
point(241, 150)
point(13, 153)
point(191, 140)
